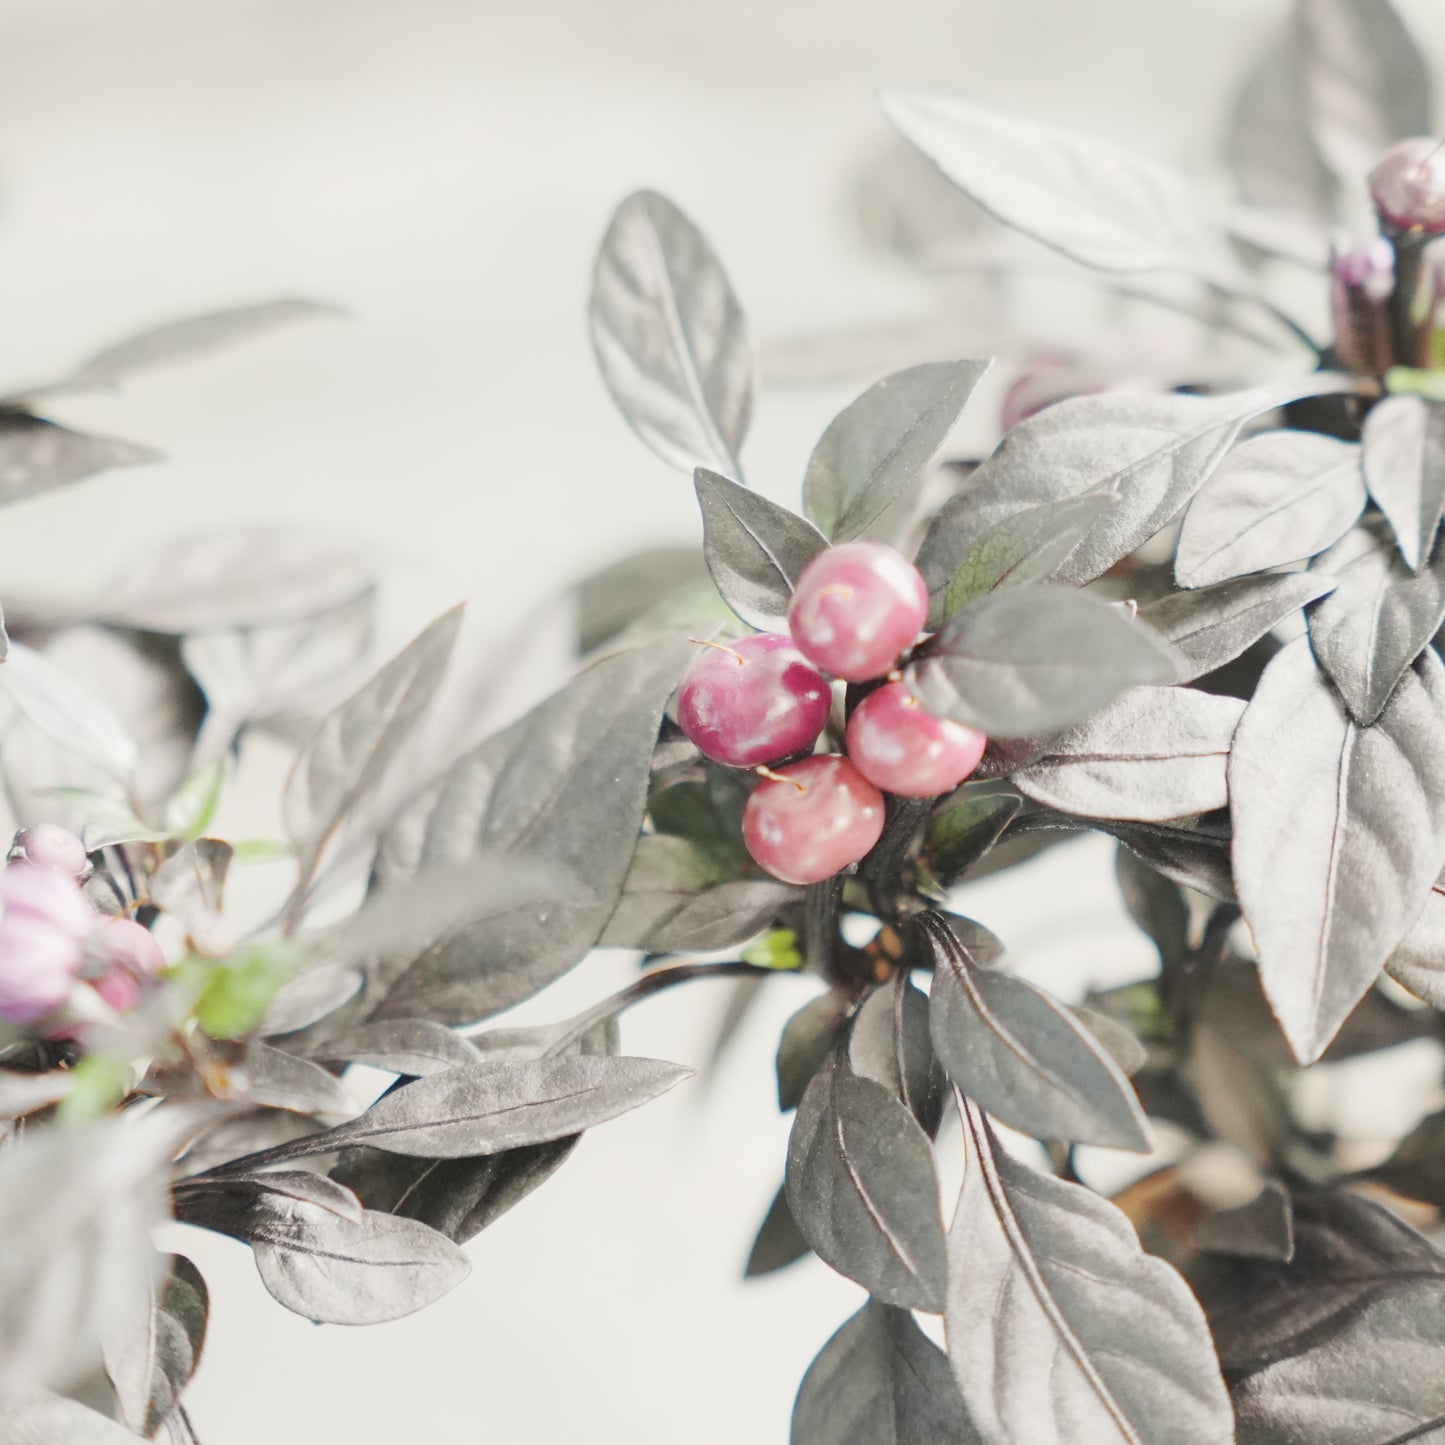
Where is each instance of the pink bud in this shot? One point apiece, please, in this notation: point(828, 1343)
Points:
point(47, 845)
point(1362, 283)
point(130, 957)
point(1407, 186)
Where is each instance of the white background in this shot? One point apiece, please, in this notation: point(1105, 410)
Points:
point(443, 169)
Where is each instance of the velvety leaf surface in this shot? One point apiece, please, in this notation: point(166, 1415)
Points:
point(1093, 201)
point(1377, 621)
point(806, 1043)
point(1154, 754)
point(1339, 833)
point(1337, 1346)
point(1275, 498)
point(1403, 449)
point(862, 1188)
point(418, 1047)
point(1030, 660)
point(778, 1242)
point(349, 753)
point(1214, 625)
point(889, 1042)
point(1025, 1057)
point(1261, 1229)
point(1060, 1328)
point(754, 548)
point(152, 1355)
point(337, 1272)
point(1418, 962)
point(963, 830)
point(1026, 546)
point(874, 449)
point(1154, 451)
point(567, 787)
point(669, 336)
point(880, 1381)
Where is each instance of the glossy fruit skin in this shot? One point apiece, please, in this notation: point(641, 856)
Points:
point(813, 819)
point(757, 700)
point(132, 956)
point(1407, 186)
point(903, 749)
point(856, 607)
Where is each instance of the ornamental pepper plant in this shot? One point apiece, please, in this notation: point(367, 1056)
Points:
point(1197, 614)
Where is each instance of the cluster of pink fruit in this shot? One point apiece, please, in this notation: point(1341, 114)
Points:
point(763, 702)
point(58, 956)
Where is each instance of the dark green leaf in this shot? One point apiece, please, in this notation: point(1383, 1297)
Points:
point(877, 445)
point(1261, 1229)
point(779, 1241)
point(889, 1042)
point(1156, 904)
point(963, 830)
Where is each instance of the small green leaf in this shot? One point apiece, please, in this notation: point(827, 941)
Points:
point(1411, 381)
point(98, 1083)
point(240, 988)
point(260, 850)
point(777, 949)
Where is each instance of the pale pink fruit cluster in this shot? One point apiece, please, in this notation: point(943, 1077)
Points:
point(52, 941)
point(764, 700)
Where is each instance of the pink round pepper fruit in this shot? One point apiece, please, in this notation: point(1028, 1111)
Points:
point(856, 607)
point(1407, 186)
point(753, 701)
point(130, 956)
point(901, 747)
point(47, 845)
point(812, 818)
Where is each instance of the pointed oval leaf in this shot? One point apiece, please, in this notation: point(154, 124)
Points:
point(1025, 547)
point(1031, 660)
point(350, 751)
point(567, 786)
point(963, 830)
point(880, 1381)
point(889, 1042)
point(1418, 962)
point(178, 340)
point(669, 336)
point(151, 1359)
point(754, 548)
point(37, 456)
point(1095, 202)
point(1154, 451)
point(1339, 833)
point(861, 1186)
point(878, 444)
point(1376, 622)
point(1026, 1058)
point(417, 1047)
point(778, 1242)
point(336, 1272)
point(68, 712)
point(1276, 498)
point(806, 1044)
point(1155, 754)
point(1214, 625)
point(1403, 448)
point(1059, 1326)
